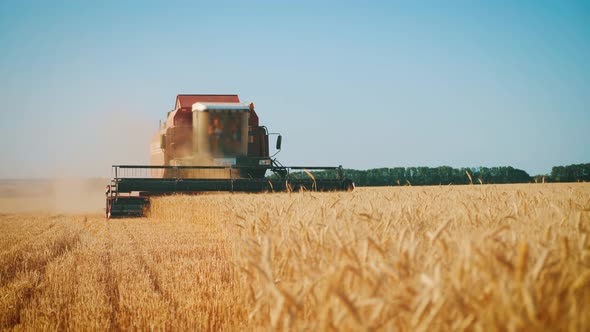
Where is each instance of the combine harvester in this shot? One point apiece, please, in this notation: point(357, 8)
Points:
point(211, 143)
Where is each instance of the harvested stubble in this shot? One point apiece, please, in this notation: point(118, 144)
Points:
point(510, 257)
point(84, 273)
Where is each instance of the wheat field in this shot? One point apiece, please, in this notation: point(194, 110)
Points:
point(461, 258)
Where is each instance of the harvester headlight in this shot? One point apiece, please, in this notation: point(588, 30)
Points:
point(264, 162)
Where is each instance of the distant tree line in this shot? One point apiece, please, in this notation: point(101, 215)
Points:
point(444, 175)
point(571, 173)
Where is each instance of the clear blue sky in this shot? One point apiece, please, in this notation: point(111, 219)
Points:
point(466, 83)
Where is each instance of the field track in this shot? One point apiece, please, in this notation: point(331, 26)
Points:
point(492, 257)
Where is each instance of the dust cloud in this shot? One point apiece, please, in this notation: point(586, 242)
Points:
point(71, 175)
point(89, 144)
point(63, 196)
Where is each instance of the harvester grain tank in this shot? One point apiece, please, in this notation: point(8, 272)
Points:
point(212, 143)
